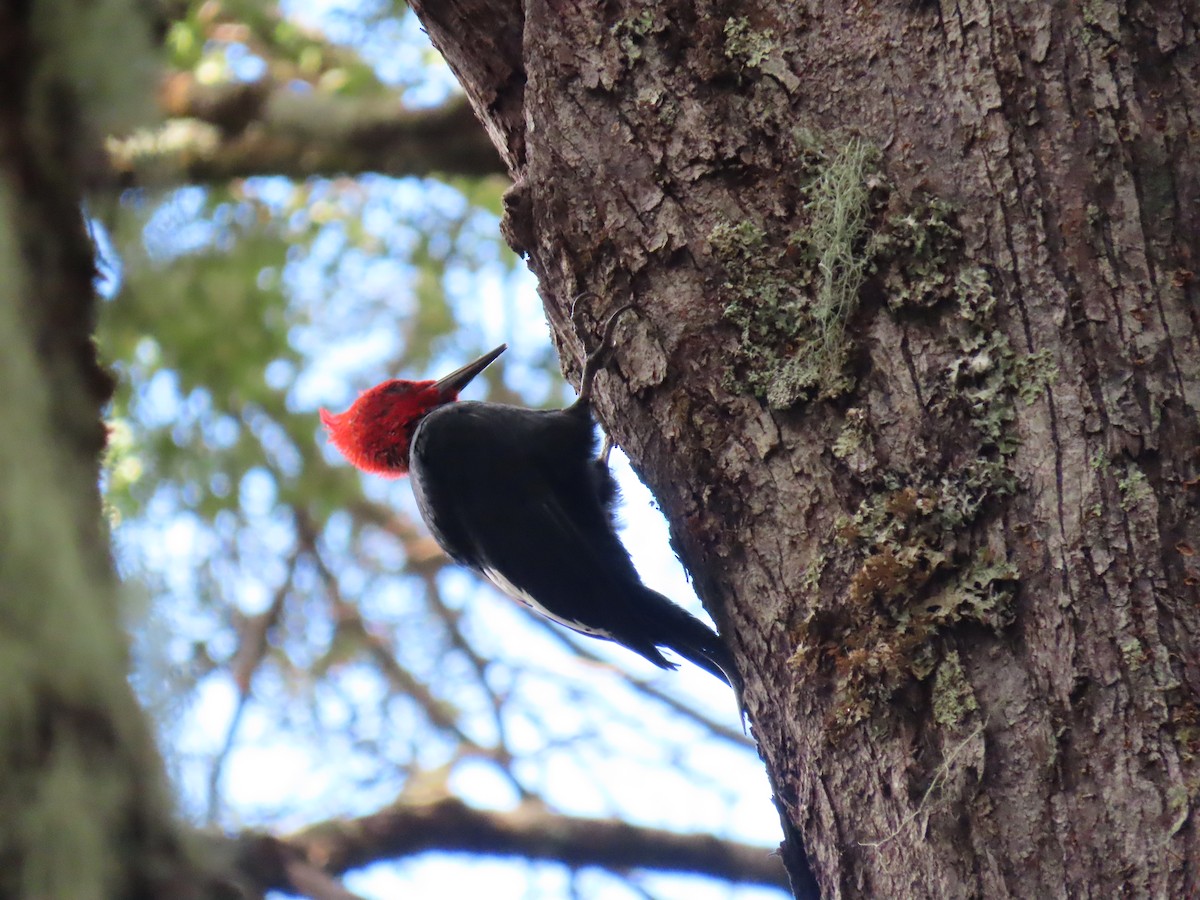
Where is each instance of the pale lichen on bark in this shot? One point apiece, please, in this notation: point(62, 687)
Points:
point(792, 300)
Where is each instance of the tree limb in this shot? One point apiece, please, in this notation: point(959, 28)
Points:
point(531, 832)
point(236, 130)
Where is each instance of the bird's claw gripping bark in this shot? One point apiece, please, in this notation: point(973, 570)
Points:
point(605, 449)
point(598, 357)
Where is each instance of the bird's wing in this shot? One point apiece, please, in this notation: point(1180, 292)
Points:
point(511, 492)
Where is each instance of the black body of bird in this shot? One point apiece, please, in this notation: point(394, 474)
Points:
point(519, 496)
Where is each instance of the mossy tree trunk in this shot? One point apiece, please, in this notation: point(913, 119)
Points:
point(915, 381)
point(83, 810)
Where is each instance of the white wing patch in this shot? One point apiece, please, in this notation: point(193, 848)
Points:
point(526, 599)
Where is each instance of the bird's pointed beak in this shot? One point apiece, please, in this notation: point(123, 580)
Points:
point(449, 386)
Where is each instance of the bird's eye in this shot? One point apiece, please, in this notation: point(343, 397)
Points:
point(398, 388)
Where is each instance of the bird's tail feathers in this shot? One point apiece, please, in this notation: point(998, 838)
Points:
point(697, 643)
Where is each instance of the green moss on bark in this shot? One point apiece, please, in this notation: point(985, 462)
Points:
point(86, 812)
point(911, 558)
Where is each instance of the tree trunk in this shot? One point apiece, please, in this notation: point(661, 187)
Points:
point(84, 810)
point(914, 378)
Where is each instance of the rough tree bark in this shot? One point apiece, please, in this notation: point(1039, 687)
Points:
point(915, 382)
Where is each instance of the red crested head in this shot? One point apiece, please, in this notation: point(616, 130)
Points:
point(375, 433)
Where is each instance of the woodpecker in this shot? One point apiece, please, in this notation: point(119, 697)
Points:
point(521, 497)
